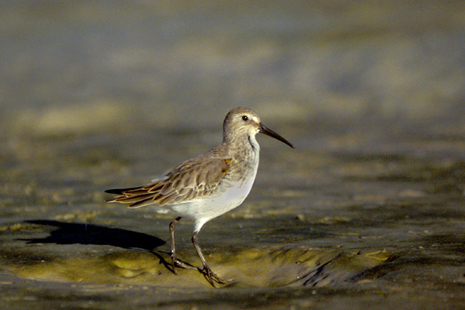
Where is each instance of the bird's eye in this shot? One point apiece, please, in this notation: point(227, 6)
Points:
point(245, 118)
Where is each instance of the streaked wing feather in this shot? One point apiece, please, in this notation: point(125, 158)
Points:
point(131, 199)
point(141, 203)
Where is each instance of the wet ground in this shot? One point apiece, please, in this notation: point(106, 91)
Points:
point(331, 227)
point(366, 212)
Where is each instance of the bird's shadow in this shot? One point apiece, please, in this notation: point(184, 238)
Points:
point(87, 234)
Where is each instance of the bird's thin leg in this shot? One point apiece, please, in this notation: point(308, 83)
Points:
point(211, 276)
point(173, 246)
point(174, 261)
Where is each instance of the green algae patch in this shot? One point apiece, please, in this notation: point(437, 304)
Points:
point(125, 267)
point(299, 266)
point(265, 267)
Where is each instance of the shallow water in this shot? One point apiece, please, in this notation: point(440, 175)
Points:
point(367, 211)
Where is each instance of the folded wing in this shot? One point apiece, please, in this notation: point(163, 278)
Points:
point(191, 180)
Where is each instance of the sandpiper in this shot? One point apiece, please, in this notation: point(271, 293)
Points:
point(206, 186)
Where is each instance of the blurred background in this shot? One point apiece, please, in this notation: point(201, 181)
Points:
point(73, 67)
point(104, 94)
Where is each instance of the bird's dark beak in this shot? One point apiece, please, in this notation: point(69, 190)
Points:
point(271, 133)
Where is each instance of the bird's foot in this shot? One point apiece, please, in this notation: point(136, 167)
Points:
point(211, 277)
point(180, 264)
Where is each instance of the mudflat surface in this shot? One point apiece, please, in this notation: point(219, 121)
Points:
point(331, 227)
point(366, 212)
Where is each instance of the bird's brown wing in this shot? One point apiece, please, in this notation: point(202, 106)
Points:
point(195, 178)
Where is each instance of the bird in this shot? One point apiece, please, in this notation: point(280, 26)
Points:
point(207, 186)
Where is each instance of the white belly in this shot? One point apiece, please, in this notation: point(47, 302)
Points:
point(203, 210)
